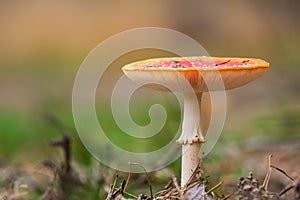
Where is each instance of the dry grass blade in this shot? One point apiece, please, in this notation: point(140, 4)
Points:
point(148, 178)
point(128, 177)
point(112, 187)
point(280, 170)
point(268, 175)
point(213, 188)
point(166, 189)
point(175, 183)
point(120, 191)
point(65, 144)
point(131, 195)
point(285, 190)
point(194, 175)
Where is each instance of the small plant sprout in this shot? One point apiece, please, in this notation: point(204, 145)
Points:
point(203, 75)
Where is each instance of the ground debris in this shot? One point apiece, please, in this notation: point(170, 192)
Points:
point(62, 180)
point(249, 187)
point(194, 189)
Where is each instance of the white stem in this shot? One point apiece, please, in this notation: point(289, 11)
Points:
point(191, 131)
point(191, 137)
point(190, 161)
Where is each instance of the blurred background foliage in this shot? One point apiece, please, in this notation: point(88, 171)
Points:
point(43, 44)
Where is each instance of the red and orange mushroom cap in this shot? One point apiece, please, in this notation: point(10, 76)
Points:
point(202, 73)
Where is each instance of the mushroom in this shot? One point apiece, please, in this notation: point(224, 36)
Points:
point(203, 74)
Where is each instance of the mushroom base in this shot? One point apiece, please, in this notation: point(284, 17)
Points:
point(191, 160)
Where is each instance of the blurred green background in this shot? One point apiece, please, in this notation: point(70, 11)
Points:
point(43, 44)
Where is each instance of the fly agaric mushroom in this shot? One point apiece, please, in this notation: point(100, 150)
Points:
point(200, 72)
